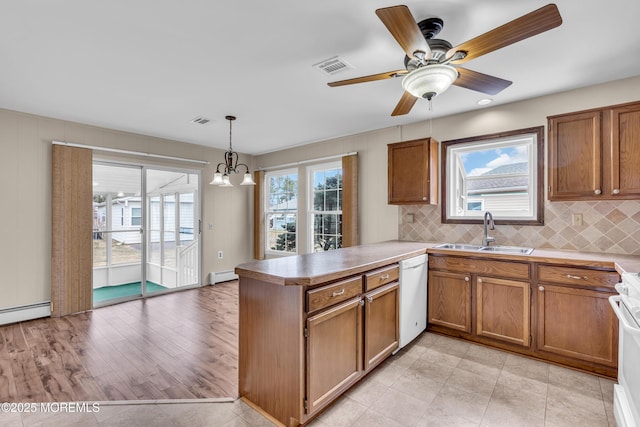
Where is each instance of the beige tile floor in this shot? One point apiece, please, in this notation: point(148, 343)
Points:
point(435, 381)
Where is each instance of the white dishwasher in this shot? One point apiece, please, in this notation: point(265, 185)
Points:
point(413, 298)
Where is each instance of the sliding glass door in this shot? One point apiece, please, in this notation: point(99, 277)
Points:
point(118, 251)
point(173, 242)
point(146, 231)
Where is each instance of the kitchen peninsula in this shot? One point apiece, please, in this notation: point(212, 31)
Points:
point(313, 325)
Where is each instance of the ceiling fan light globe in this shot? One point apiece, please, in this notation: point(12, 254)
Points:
point(429, 81)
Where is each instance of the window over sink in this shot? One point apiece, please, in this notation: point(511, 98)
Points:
point(501, 173)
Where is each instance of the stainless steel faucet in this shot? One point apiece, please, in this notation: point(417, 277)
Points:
point(488, 224)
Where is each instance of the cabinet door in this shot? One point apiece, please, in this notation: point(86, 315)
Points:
point(577, 323)
point(575, 156)
point(625, 155)
point(503, 311)
point(334, 352)
point(412, 172)
point(450, 300)
point(382, 332)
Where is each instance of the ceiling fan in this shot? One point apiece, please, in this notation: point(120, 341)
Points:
point(429, 61)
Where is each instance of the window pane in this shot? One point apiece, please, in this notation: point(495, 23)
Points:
point(499, 174)
point(331, 202)
point(325, 216)
point(327, 232)
point(281, 212)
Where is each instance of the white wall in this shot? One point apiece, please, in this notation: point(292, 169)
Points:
point(25, 185)
point(25, 179)
point(379, 221)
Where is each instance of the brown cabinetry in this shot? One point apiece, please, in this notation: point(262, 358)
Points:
point(334, 352)
point(555, 312)
point(449, 297)
point(413, 172)
point(347, 339)
point(302, 346)
point(574, 317)
point(466, 296)
point(593, 155)
point(381, 324)
point(502, 310)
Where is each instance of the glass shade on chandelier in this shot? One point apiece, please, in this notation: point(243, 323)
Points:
point(230, 164)
point(430, 80)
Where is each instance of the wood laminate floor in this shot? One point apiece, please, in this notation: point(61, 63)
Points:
point(182, 345)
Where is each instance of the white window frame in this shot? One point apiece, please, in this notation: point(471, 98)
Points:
point(456, 202)
point(267, 212)
point(310, 195)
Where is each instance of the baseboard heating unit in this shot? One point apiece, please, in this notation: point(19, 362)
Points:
point(221, 276)
point(25, 312)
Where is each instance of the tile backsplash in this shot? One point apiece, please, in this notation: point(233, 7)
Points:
point(607, 226)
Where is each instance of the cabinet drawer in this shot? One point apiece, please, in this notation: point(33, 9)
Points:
point(377, 278)
point(334, 293)
point(515, 270)
point(577, 276)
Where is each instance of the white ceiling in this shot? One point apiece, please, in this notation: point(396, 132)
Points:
point(150, 66)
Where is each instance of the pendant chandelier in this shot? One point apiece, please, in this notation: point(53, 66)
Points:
point(231, 165)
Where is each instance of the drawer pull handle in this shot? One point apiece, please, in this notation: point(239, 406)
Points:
point(570, 276)
point(466, 279)
point(541, 288)
point(338, 293)
point(370, 299)
point(616, 191)
point(597, 192)
point(384, 276)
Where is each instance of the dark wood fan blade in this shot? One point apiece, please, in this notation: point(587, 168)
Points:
point(403, 28)
point(480, 82)
point(405, 104)
point(371, 78)
point(529, 25)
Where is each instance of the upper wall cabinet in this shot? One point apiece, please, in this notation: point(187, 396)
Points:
point(413, 172)
point(594, 154)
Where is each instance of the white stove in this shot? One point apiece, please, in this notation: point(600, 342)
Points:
point(626, 305)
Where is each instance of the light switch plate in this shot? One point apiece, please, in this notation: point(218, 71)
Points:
point(576, 219)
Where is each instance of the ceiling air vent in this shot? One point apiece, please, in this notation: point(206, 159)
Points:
point(333, 66)
point(200, 121)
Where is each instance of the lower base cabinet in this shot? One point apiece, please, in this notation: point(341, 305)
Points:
point(382, 321)
point(503, 310)
point(334, 352)
point(449, 300)
point(554, 312)
point(302, 346)
point(345, 341)
point(577, 323)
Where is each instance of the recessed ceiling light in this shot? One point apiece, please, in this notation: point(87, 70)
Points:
point(485, 101)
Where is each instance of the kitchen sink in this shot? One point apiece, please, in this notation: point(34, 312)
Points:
point(460, 246)
point(507, 250)
point(518, 250)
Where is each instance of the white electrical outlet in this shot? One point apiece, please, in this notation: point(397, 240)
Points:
point(220, 255)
